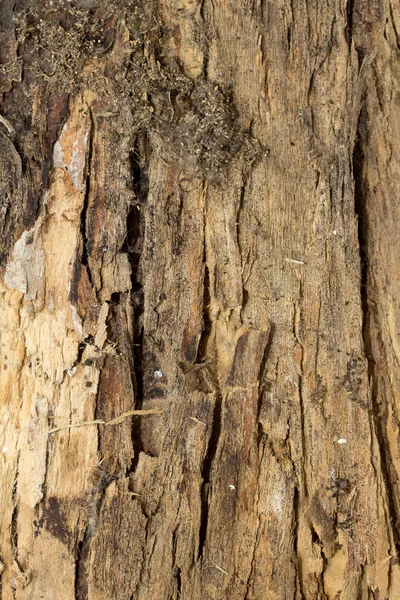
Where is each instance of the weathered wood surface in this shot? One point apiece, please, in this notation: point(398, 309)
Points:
point(199, 213)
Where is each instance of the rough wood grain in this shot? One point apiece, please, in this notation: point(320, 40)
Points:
point(199, 221)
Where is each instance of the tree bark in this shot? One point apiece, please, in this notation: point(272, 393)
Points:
point(199, 300)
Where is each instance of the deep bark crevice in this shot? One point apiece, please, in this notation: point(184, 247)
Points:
point(81, 575)
point(207, 321)
point(295, 528)
point(206, 45)
point(239, 210)
point(84, 213)
point(350, 17)
point(178, 579)
point(133, 245)
point(14, 531)
point(202, 355)
point(14, 518)
point(89, 340)
point(206, 471)
point(379, 407)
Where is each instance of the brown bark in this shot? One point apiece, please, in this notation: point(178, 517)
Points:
point(199, 300)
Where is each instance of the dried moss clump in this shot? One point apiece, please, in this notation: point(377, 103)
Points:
point(202, 129)
point(62, 43)
point(74, 47)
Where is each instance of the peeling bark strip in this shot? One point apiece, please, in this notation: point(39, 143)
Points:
point(199, 348)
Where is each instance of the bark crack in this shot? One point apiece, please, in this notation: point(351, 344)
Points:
point(84, 213)
point(296, 527)
point(206, 471)
point(206, 50)
point(350, 17)
point(212, 372)
point(366, 291)
point(133, 246)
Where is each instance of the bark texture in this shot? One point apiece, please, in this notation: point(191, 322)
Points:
point(200, 300)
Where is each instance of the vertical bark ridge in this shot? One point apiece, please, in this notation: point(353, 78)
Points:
point(373, 155)
point(379, 411)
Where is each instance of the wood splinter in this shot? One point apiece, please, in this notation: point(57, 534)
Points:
point(116, 421)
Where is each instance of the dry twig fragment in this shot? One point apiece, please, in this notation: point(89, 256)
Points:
point(116, 421)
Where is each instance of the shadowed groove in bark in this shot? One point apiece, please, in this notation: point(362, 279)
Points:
point(81, 348)
point(81, 581)
point(85, 241)
point(207, 322)
point(206, 49)
point(207, 469)
point(133, 246)
point(378, 409)
point(349, 28)
point(238, 232)
point(14, 518)
point(178, 579)
point(295, 528)
point(216, 422)
point(14, 530)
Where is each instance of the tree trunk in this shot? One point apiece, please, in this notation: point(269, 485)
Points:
point(200, 301)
